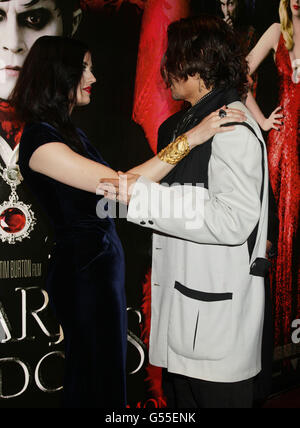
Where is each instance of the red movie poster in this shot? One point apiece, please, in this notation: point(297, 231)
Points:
point(128, 39)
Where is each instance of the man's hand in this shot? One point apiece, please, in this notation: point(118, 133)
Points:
point(118, 189)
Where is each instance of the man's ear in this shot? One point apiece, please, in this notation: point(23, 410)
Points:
point(77, 17)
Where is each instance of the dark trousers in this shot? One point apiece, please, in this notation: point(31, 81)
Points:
point(263, 382)
point(183, 392)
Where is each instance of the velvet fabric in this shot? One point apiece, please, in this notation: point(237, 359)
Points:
point(85, 281)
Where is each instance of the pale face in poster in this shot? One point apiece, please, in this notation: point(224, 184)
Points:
point(22, 22)
point(229, 8)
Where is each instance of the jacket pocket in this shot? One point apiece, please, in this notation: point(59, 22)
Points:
point(200, 324)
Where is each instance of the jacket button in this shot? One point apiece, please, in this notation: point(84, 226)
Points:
point(142, 223)
point(150, 222)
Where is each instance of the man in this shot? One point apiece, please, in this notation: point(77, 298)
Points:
point(207, 293)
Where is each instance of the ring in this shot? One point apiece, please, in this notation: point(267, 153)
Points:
point(222, 114)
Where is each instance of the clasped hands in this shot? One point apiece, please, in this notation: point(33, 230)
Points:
point(118, 189)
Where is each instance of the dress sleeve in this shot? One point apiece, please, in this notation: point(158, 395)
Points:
point(33, 137)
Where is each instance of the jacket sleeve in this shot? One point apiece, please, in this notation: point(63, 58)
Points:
point(225, 214)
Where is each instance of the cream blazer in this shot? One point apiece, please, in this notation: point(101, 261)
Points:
point(207, 308)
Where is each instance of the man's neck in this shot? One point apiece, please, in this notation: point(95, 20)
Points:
point(198, 97)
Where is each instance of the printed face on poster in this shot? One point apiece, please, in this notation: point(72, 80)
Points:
point(21, 24)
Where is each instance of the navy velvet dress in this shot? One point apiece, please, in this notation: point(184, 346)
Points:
point(85, 281)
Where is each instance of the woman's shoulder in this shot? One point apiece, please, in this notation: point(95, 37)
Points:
point(271, 37)
point(275, 31)
point(39, 126)
point(35, 135)
point(41, 130)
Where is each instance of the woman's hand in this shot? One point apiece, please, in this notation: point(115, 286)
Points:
point(274, 121)
point(118, 189)
point(212, 125)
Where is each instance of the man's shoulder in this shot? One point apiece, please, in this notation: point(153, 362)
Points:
point(171, 122)
point(250, 121)
point(245, 138)
point(167, 128)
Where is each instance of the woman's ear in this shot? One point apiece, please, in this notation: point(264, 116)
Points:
point(77, 17)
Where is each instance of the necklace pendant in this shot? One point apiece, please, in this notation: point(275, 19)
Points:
point(17, 221)
point(12, 176)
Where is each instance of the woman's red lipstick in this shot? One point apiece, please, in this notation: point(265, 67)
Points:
point(88, 89)
point(296, 7)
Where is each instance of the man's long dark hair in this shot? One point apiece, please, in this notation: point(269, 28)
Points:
point(47, 85)
point(205, 45)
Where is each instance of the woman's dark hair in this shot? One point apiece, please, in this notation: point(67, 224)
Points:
point(47, 85)
point(205, 45)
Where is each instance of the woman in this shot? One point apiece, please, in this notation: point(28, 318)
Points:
point(24, 233)
point(235, 14)
point(283, 149)
point(86, 272)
